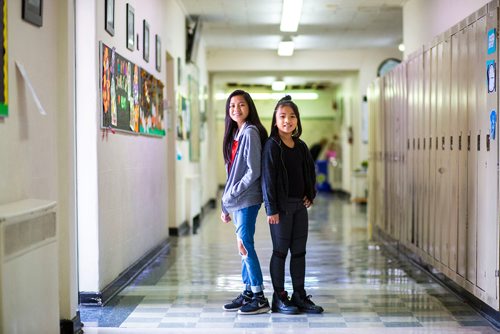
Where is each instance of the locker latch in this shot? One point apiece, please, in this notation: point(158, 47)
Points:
point(496, 273)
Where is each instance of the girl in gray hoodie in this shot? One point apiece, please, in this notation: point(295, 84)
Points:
point(244, 137)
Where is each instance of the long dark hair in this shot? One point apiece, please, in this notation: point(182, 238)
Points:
point(231, 126)
point(286, 101)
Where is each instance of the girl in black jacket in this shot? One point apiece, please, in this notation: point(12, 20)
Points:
point(288, 186)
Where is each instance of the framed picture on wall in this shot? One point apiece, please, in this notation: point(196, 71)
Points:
point(32, 12)
point(145, 41)
point(109, 17)
point(158, 52)
point(130, 27)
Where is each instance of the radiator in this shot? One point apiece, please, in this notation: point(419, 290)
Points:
point(29, 287)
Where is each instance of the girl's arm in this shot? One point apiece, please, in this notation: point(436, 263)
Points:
point(269, 178)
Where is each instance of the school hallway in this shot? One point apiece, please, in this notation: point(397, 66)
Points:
point(362, 288)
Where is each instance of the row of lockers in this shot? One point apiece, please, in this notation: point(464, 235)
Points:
point(433, 177)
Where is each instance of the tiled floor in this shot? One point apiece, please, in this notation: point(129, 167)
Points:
point(362, 289)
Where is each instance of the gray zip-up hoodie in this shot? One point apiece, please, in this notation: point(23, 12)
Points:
point(243, 188)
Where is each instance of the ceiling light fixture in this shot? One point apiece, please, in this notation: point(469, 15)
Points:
point(401, 47)
point(278, 85)
point(286, 47)
point(290, 15)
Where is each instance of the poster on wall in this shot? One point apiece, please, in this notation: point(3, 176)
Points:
point(4, 110)
point(182, 118)
point(131, 97)
point(194, 102)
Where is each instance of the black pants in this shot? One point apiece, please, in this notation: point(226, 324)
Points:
point(290, 234)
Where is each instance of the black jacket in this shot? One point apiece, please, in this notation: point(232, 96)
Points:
point(275, 179)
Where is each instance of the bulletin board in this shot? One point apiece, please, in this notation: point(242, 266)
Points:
point(131, 97)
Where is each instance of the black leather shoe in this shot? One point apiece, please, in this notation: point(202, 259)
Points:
point(282, 304)
point(305, 304)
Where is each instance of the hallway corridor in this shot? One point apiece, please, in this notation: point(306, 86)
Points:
point(361, 288)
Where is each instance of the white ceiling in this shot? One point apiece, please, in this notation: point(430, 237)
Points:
point(324, 25)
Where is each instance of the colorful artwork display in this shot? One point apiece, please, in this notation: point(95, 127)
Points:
point(4, 110)
point(131, 97)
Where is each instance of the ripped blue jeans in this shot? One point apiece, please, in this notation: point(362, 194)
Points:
point(244, 221)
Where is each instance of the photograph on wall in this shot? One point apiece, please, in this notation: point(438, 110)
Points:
point(134, 103)
point(106, 85)
point(182, 117)
point(4, 110)
point(123, 92)
point(151, 109)
point(130, 27)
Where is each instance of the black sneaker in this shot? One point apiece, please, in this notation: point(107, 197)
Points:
point(305, 304)
point(258, 305)
point(244, 298)
point(282, 304)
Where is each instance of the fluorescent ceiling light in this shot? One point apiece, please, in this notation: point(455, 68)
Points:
point(278, 85)
point(401, 47)
point(285, 48)
point(290, 15)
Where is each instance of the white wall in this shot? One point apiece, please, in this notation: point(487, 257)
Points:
point(425, 19)
point(37, 150)
point(122, 177)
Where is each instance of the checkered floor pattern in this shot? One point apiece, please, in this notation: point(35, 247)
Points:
point(358, 284)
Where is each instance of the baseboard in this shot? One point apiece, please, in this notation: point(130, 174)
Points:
point(179, 231)
point(73, 326)
point(104, 296)
point(396, 249)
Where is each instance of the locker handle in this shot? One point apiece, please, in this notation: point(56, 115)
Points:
point(479, 142)
point(442, 143)
point(460, 142)
point(468, 142)
point(451, 143)
point(437, 143)
point(488, 143)
point(430, 143)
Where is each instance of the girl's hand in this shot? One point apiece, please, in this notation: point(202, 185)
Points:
point(274, 219)
point(225, 217)
point(307, 202)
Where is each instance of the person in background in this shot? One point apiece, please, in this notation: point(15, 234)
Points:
point(317, 148)
point(242, 147)
point(288, 186)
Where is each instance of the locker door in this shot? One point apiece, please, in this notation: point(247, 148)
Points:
point(472, 154)
point(434, 230)
point(434, 124)
point(454, 151)
point(420, 158)
point(428, 126)
point(447, 216)
point(411, 152)
point(462, 45)
point(487, 228)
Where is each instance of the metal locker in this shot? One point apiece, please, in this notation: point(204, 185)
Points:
point(429, 153)
point(420, 181)
point(487, 227)
point(430, 106)
point(434, 235)
point(447, 224)
point(463, 46)
point(472, 154)
point(455, 147)
point(411, 161)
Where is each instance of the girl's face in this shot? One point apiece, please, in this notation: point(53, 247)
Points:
point(286, 120)
point(238, 109)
